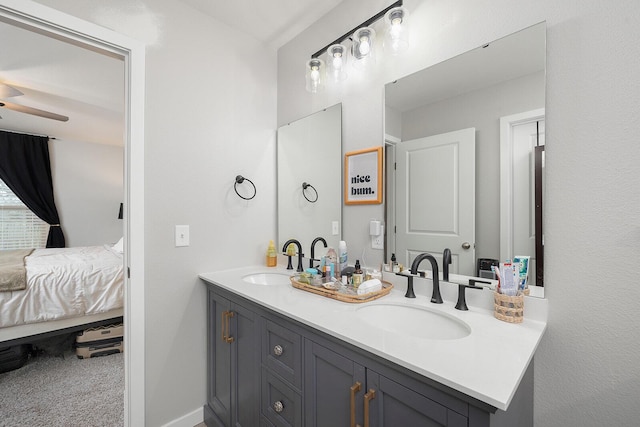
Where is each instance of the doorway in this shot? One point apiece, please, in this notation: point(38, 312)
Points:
point(47, 21)
point(522, 141)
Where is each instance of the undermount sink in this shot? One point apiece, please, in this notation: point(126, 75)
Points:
point(270, 278)
point(414, 322)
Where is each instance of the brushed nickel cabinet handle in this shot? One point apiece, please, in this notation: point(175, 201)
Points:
point(278, 406)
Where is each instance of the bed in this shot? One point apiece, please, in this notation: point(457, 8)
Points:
point(66, 289)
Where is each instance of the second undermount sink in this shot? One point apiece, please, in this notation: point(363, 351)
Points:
point(267, 278)
point(414, 322)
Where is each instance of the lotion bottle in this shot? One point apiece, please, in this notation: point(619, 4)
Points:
point(342, 255)
point(272, 257)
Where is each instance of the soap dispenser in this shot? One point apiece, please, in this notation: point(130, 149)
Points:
point(272, 256)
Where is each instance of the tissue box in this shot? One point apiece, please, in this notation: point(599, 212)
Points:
point(368, 286)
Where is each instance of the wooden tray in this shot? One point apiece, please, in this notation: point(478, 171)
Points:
point(342, 296)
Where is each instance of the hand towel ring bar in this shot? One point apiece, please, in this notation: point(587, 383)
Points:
point(304, 187)
point(239, 180)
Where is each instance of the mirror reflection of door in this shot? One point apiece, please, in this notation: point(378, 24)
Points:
point(522, 145)
point(435, 199)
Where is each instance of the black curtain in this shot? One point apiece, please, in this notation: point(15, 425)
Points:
point(26, 169)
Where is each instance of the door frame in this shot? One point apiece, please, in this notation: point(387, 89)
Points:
point(506, 175)
point(53, 23)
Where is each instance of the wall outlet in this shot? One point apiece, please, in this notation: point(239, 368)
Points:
point(335, 228)
point(377, 242)
point(182, 235)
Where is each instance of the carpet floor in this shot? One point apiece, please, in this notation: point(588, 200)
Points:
point(64, 391)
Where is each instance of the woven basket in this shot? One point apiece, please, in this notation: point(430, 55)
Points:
point(507, 308)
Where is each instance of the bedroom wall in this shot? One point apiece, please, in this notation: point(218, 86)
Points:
point(88, 189)
point(209, 116)
point(586, 370)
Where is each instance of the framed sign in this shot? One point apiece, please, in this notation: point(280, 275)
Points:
point(363, 176)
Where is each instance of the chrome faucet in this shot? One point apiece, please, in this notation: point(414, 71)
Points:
point(313, 249)
point(435, 295)
point(446, 260)
point(300, 254)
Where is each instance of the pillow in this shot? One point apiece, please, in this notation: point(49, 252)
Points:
point(119, 247)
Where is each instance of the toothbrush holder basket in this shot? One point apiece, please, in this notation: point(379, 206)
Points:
point(508, 308)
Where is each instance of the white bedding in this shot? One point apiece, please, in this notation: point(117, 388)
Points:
point(64, 283)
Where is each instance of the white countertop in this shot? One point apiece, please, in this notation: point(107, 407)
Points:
point(488, 364)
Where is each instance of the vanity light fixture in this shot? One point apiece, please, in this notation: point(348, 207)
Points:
point(337, 62)
point(396, 37)
point(315, 75)
point(362, 49)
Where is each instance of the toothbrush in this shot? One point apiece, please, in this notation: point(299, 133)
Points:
point(497, 273)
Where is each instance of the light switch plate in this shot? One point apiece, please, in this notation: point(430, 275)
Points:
point(335, 228)
point(182, 235)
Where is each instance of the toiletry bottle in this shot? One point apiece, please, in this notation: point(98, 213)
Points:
point(357, 275)
point(342, 255)
point(332, 260)
point(272, 257)
point(394, 264)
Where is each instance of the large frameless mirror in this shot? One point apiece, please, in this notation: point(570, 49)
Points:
point(310, 179)
point(465, 157)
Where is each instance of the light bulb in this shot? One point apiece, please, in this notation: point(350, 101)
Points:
point(337, 60)
point(365, 46)
point(315, 74)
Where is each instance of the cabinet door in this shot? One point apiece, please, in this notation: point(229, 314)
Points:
point(329, 381)
point(233, 363)
point(245, 364)
point(219, 363)
point(392, 404)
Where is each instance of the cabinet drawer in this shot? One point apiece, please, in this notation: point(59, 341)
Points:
point(281, 405)
point(282, 352)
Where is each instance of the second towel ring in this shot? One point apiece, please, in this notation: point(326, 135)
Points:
point(304, 187)
point(239, 180)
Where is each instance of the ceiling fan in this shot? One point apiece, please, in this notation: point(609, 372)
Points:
point(7, 91)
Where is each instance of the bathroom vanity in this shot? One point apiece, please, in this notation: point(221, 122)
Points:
point(279, 356)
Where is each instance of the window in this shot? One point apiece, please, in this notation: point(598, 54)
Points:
point(19, 227)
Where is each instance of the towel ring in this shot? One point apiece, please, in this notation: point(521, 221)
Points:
point(304, 187)
point(239, 180)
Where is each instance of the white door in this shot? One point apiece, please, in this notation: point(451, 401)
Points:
point(435, 195)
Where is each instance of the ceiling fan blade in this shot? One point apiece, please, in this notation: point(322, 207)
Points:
point(34, 111)
point(7, 91)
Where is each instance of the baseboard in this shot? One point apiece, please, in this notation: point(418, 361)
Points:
point(188, 420)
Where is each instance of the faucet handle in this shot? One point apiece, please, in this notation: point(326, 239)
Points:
point(462, 300)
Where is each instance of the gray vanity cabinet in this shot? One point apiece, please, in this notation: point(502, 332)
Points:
point(265, 369)
point(233, 364)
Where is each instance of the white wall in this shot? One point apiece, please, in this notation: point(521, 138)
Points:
point(586, 371)
point(209, 116)
point(88, 189)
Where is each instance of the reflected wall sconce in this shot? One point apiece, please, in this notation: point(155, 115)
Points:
point(239, 180)
point(362, 50)
point(305, 186)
